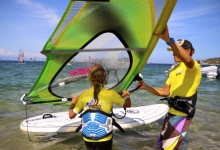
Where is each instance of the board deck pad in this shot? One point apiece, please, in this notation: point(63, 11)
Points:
point(60, 122)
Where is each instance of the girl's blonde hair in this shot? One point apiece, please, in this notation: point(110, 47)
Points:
point(97, 77)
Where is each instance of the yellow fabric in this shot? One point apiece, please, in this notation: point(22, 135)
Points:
point(106, 99)
point(183, 82)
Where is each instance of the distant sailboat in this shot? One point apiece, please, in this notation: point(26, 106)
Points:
point(35, 59)
point(21, 56)
point(70, 62)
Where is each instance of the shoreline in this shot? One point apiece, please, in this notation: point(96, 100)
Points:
point(146, 63)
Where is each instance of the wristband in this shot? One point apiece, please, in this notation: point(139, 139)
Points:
point(171, 41)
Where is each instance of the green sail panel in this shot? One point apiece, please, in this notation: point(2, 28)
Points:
point(114, 33)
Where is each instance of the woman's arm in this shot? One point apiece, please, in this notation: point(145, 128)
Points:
point(164, 91)
point(178, 51)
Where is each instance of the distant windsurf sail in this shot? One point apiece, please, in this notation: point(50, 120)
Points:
point(21, 56)
point(114, 33)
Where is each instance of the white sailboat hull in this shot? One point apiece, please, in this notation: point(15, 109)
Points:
point(208, 69)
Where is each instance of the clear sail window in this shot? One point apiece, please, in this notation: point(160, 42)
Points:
point(106, 50)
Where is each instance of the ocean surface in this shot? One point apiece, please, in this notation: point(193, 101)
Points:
point(17, 79)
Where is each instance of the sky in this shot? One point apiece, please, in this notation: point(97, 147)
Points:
point(28, 24)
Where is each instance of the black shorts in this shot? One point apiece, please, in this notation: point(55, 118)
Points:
point(106, 145)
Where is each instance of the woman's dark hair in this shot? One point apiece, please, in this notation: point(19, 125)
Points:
point(187, 44)
point(97, 77)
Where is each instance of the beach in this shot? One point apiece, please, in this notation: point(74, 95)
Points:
point(17, 79)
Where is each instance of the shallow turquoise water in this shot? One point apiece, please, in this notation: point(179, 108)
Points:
point(17, 79)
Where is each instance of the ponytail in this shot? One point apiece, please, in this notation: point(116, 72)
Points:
point(97, 76)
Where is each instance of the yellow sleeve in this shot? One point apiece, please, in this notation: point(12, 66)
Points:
point(79, 106)
point(168, 81)
point(117, 99)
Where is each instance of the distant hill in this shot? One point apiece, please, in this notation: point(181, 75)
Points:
point(210, 61)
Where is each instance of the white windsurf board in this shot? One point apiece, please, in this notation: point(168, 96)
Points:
point(60, 122)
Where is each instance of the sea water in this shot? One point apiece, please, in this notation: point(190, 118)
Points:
point(17, 79)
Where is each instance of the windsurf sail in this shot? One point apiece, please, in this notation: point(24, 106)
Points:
point(21, 56)
point(114, 33)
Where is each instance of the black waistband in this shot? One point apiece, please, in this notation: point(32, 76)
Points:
point(184, 104)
